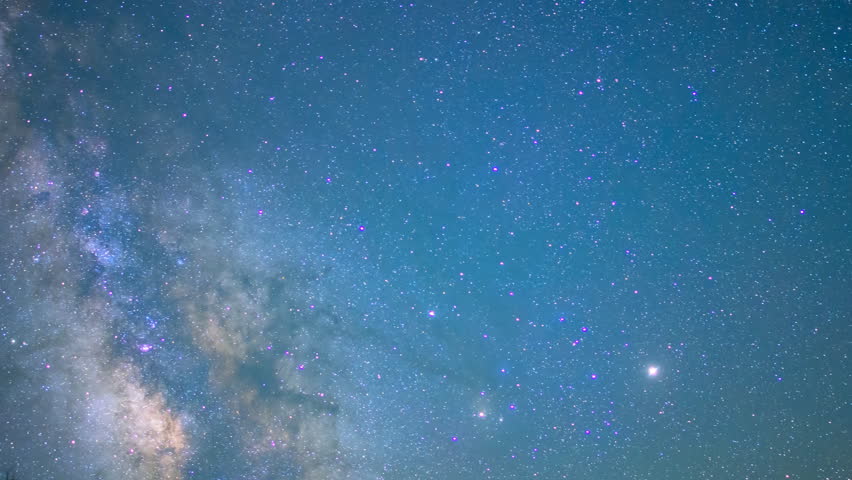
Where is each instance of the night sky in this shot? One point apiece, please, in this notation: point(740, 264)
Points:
point(330, 240)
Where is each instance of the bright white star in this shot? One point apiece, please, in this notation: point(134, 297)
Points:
point(653, 371)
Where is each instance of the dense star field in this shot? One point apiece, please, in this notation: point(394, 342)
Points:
point(593, 239)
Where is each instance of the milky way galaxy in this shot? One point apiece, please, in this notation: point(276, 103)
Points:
point(370, 240)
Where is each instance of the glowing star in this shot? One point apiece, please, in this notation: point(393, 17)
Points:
point(653, 371)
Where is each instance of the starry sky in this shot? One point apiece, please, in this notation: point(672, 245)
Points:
point(594, 239)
